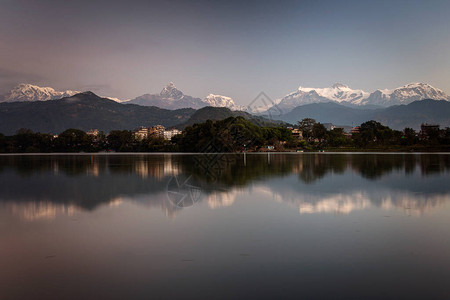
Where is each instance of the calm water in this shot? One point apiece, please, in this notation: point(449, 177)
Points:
point(278, 226)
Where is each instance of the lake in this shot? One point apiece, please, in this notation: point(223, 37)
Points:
point(225, 226)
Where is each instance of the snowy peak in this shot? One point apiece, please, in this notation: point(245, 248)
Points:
point(169, 98)
point(405, 94)
point(343, 94)
point(29, 92)
point(171, 92)
point(338, 92)
point(419, 91)
point(220, 101)
point(172, 98)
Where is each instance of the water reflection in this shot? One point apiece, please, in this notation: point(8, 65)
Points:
point(34, 211)
point(38, 187)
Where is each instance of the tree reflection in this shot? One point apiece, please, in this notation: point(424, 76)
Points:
point(87, 181)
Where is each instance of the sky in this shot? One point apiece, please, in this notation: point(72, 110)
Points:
point(234, 48)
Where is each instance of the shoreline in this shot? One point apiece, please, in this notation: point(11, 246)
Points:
point(226, 153)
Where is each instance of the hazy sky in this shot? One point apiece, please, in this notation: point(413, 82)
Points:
point(234, 48)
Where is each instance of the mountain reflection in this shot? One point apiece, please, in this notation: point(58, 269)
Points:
point(40, 187)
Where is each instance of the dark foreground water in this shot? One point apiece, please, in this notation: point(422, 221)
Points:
point(278, 226)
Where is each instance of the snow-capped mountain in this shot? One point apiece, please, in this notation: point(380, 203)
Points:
point(344, 95)
point(221, 101)
point(171, 92)
point(405, 95)
point(29, 92)
point(172, 98)
point(338, 92)
point(169, 98)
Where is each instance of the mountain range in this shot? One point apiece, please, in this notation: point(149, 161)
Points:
point(84, 111)
point(344, 95)
point(48, 110)
point(88, 111)
point(172, 98)
point(29, 92)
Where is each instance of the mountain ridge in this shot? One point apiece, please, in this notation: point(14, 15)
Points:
point(84, 111)
point(397, 116)
point(172, 98)
point(342, 94)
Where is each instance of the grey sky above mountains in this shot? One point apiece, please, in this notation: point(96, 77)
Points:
point(238, 49)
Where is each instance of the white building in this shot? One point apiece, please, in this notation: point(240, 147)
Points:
point(168, 134)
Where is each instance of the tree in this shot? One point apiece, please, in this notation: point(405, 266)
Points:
point(409, 137)
point(121, 140)
point(2, 143)
point(306, 126)
point(74, 140)
point(337, 138)
point(374, 132)
point(318, 131)
point(231, 134)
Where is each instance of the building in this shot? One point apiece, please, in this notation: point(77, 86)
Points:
point(156, 131)
point(141, 133)
point(168, 134)
point(296, 133)
point(355, 130)
point(93, 132)
point(427, 130)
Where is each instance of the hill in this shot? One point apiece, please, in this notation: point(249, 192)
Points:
point(414, 114)
point(397, 117)
point(329, 112)
point(84, 111)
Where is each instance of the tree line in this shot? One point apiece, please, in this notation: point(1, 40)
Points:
point(234, 134)
point(372, 135)
point(75, 140)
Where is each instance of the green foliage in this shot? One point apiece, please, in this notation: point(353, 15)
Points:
point(337, 138)
point(409, 137)
point(234, 134)
point(121, 140)
point(318, 131)
point(153, 144)
point(374, 133)
point(74, 140)
point(229, 135)
point(26, 140)
point(306, 126)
